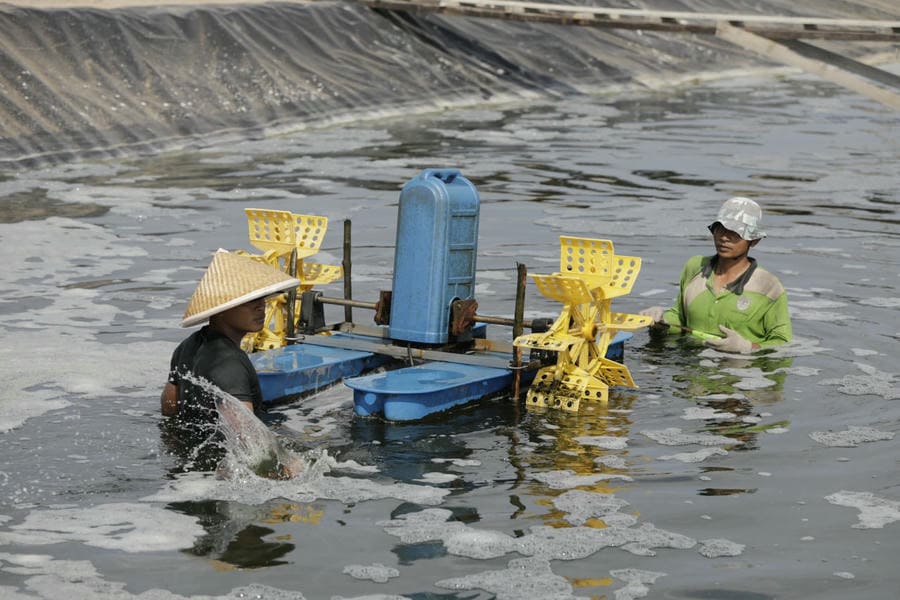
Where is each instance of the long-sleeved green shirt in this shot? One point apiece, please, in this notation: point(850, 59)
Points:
point(755, 305)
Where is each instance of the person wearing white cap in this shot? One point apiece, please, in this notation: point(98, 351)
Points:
point(231, 296)
point(727, 299)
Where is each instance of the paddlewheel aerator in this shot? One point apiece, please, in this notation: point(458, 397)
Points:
point(590, 276)
point(286, 240)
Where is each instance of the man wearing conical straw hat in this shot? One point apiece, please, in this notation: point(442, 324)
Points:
point(231, 296)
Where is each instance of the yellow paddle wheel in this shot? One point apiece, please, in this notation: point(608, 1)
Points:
point(590, 276)
point(286, 240)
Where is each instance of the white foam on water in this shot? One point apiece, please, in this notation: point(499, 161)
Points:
point(699, 413)
point(817, 303)
point(523, 579)
point(695, 457)
point(30, 265)
point(863, 352)
point(13, 414)
point(872, 381)
point(458, 462)
point(607, 442)
point(890, 302)
point(718, 547)
point(654, 292)
point(673, 436)
point(852, 437)
point(636, 583)
point(376, 572)
point(809, 314)
point(750, 378)
point(566, 479)
point(129, 527)
point(354, 467)
point(435, 477)
point(571, 543)
point(844, 575)
point(722, 397)
point(776, 430)
point(47, 577)
point(34, 386)
point(423, 526)
point(797, 347)
point(479, 544)
point(612, 462)
point(874, 512)
point(799, 371)
point(582, 505)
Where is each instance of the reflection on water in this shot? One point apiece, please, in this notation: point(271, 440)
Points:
point(233, 538)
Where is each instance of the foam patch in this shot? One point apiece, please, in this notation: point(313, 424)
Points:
point(547, 542)
point(637, 582)
point(607, 442)
point(128, 527)
point(718, 547)
point(566, 479)
point(851, 437)
point(581, 506)
point(699, 413)
point(872, 381)
point(695, 457)
point(874, 512)
point(376, 572)
point(673, 436)
point(524, 579)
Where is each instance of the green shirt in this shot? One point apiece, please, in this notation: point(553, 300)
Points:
point(755, 304)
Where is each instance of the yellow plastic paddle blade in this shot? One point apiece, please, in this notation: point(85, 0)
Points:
point(563, 289)
point(627, 322)
point(315, 274)
point(583, 387)
point(541, 341)
point(273, 333)
point(539, 388)
point(606, 274)
point(282, 231)
point(615, 374)
point(565, 393)
point(585, 256)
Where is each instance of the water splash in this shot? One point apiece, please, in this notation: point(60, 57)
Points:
point(250, 446)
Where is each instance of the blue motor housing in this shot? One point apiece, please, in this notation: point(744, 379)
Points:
point(434, 258)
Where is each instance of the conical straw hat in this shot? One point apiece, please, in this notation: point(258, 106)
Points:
point(230, 280)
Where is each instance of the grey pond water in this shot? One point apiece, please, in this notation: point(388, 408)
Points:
point(737, 478)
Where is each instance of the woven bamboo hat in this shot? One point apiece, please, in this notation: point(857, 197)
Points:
point(230, 280)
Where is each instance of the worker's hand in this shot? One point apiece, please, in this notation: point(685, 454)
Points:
point(654, 312)
point(732, 342)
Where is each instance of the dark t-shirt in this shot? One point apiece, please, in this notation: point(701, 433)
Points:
point(213, 357)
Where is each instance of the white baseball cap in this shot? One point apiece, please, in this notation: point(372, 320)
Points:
point(742, 216)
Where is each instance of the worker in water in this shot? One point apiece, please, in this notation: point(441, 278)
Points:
point(727, 299)
point(232, 296)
